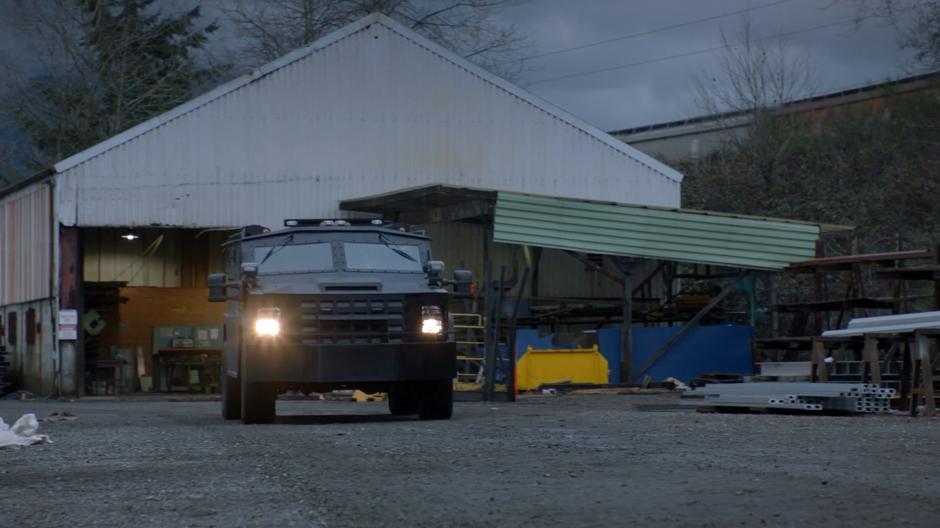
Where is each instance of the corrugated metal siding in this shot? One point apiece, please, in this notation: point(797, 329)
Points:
point(32, 365)
point(25, 245)
point(683, 236)
point(374, 112)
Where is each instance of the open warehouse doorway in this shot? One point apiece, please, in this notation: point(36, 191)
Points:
point(145, 323)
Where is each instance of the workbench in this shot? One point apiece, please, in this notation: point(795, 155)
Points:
point(167, 361)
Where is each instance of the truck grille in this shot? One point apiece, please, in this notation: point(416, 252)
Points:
point(352, 321)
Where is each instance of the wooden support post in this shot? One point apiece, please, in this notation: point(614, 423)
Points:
point(489, 322)
point(669, 277)
point(922, 377)
point(870, 364)
point(498, 365)
point(751, 299)
point(819, 369)
point(818, 289)
point(71, 289)
point(905, 394)
point(487, 239)
point(494, 321)
point(774, 316)
point(626, 332)
point(936, 283)
point(926, 369)
point(919, 342)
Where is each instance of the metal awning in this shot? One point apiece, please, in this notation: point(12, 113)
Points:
point(655, 233)
point(681, 235)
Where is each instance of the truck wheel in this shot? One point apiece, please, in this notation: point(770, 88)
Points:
point(403, 400)
point(231, 397)
point(258, 403)
point(437, 400)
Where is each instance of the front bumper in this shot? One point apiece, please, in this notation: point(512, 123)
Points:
point(278, 362)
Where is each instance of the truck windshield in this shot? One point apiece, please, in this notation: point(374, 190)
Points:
point(381, 257)
point(296, 258)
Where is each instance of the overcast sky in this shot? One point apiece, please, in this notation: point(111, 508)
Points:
point(846, 55)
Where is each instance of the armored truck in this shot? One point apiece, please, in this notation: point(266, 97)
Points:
point(335, 304)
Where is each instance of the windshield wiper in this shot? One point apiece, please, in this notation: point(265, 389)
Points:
point(274, 250)
point(384, 240)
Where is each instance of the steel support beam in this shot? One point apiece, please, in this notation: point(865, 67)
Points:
point(626, 332)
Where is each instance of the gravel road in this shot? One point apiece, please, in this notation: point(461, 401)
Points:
point(544, 461)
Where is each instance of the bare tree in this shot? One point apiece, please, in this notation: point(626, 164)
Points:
point(924, 37)
point(916, 21)
point(754, 74)
point(471, 28)
point(745, 93)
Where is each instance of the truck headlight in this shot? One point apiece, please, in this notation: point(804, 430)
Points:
point(268, 322)
point(432, 321)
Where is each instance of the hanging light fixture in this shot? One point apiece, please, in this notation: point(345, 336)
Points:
point(130, 236)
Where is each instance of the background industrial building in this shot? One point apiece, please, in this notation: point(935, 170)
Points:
point(700, 136)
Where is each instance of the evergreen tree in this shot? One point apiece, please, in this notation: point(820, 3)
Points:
point(116, 63)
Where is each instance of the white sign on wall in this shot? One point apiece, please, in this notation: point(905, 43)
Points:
point(67, 329)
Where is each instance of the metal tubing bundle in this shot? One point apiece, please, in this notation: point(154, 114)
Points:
point(796, 396)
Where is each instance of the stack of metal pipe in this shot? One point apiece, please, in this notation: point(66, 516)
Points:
point(792, 396)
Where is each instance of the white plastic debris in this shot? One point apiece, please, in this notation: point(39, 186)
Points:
point(678, 385)
point(22, 433)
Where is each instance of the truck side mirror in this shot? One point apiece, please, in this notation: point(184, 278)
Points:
point(217, 291)
point(435, 273)
point(463, 282)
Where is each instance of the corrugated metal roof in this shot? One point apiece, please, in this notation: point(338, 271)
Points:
point(372, 108)
point(654, 233)
point(375, 18)
point(888, 324)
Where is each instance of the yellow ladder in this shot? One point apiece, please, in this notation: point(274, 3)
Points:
point(469, 330)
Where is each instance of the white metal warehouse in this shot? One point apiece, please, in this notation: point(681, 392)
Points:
point(369, 109)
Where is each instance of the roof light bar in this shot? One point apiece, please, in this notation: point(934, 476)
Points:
point(329, 222)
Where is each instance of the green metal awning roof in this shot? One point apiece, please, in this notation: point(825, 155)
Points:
point(654, 233)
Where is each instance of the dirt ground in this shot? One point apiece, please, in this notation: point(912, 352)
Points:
point(544, 461)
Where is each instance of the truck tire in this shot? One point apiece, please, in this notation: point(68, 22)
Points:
point(258, 403)
point(436, 400)
point(403, 400)
point(231, 397)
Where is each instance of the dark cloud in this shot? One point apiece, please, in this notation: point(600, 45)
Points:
point(846, 55)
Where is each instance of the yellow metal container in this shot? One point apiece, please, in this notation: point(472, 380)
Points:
point(575, 365)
